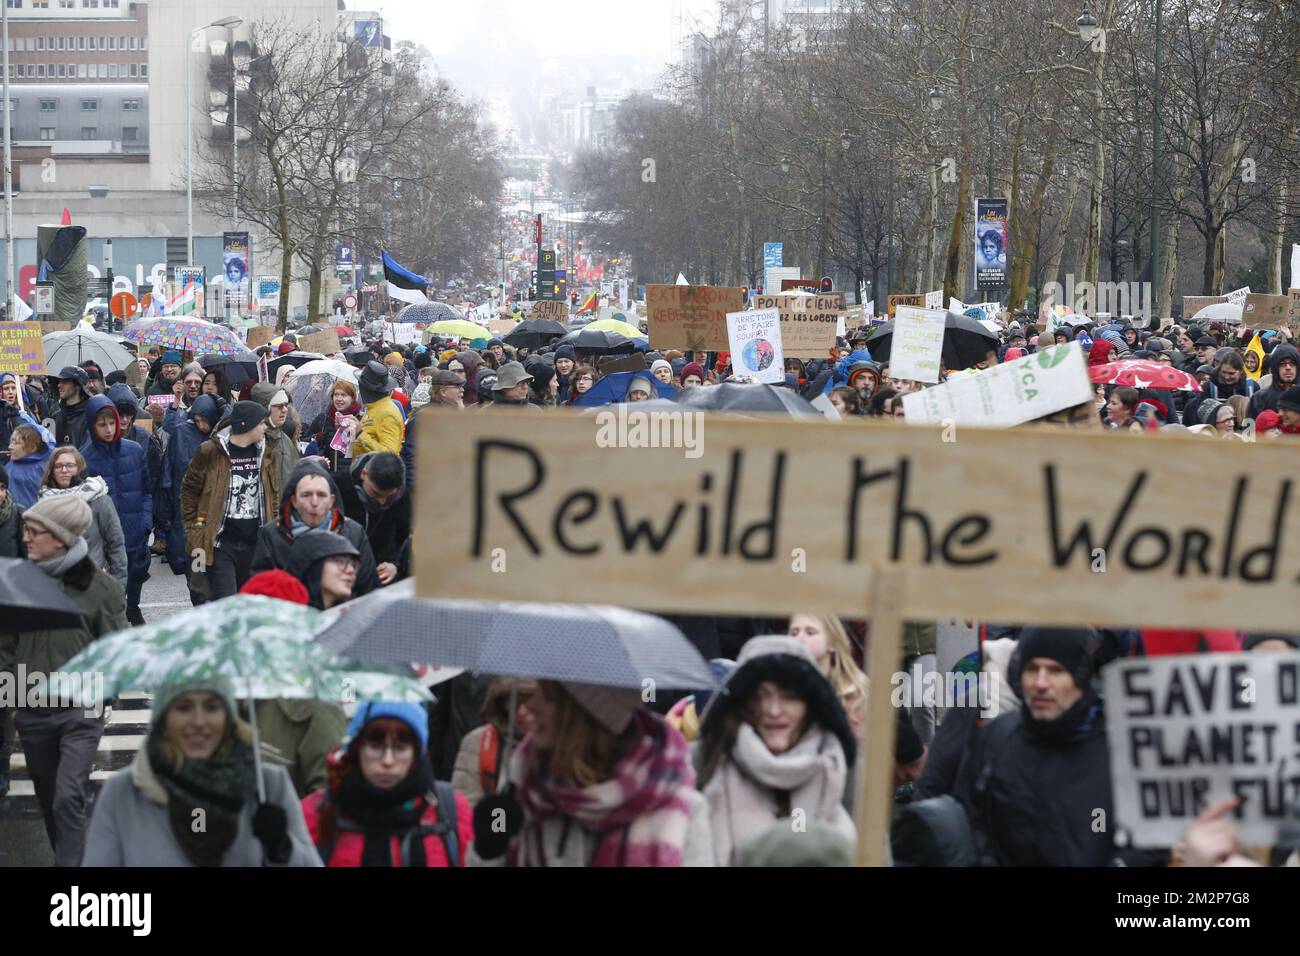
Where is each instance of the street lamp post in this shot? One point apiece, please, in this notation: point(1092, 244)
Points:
point(189, 130)
point(1155, 168)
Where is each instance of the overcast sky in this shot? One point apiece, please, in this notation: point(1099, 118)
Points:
point(641, 28)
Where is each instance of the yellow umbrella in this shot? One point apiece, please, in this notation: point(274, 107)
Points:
point(614, 325)
point(460, 328)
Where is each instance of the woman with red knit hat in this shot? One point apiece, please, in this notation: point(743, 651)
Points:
point(692, 374)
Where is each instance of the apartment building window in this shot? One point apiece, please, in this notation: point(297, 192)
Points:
point(40, 43)
point(90, 132)
point(130, 43)
point(40, 4)
point(130, 134)
point(144, 71)
point(112, 43)
point(62, 71)
point(134, 74)
point(144, 43)
point(81, 71)
point(31, 70)
point(47, 132)
point(67, 4)
point(40, 70)
point(81, 43)
point(130, 106)
point(62, 41)
point(89, 106)
point(15, 4)
point(49, 106)
point(112, 71)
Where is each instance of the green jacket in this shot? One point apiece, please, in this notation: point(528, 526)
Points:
point(920, 638)
point(103, 607)
point(297, 735)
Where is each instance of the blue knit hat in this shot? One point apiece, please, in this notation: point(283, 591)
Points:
point(410, 713)
point(171, 357)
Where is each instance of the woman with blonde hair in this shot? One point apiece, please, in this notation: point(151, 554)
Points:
point(599, 781)
point(197, 763)
point(828, 641)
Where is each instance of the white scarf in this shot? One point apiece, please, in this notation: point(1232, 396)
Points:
point(743, 794)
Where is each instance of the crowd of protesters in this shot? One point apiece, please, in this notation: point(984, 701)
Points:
point(239, 494)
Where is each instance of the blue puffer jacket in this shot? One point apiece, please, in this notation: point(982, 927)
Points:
point(185, 441)
point(124, 465)
point(25, 476)
point(841, 374)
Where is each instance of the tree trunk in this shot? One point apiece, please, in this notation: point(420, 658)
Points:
point(1211, 282)
point(1027, 237)
point(313, 291)
point(932, 227)
point(1277, 235)
point(286, 244)
point(953, 272)
point(1052, 271)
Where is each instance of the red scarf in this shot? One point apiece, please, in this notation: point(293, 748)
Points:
point(332, 423)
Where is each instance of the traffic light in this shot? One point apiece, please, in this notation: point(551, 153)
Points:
point(546, 274)
point(827, 286)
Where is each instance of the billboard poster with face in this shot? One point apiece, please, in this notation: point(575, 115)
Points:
point(991, 259)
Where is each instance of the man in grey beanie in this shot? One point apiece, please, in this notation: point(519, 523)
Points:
point(59, 740)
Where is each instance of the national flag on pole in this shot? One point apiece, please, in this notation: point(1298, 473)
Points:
point(183, 302)
point(403, 284)
point(591, 305)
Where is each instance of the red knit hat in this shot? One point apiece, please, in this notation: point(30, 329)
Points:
point(285, 348)
point(1267, 419)
point(277, 584)
point(692, 368)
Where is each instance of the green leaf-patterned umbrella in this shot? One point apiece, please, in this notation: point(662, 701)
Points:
point(261, 645)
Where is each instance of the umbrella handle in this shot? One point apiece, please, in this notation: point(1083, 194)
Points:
point(510, 734)
point(257, 745)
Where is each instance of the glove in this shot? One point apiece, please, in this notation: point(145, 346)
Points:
point(271, 827)
point(497, 817)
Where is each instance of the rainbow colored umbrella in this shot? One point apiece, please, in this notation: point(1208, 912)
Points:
point(189, 335)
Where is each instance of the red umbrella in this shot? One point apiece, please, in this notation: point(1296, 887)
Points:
point(1142, 374)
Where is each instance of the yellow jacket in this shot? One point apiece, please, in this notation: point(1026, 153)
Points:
point(381, 428)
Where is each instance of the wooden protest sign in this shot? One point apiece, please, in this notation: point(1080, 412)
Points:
point(550, 309)
point(21, 350)
point(691, 317)
point(324, 343)
point(1293, 309)
point(1265, 311)
point(894, 301)
point(713, 525)
point(1187, 732)
point(260, 335)
point(809, 322)
point(1194, 303)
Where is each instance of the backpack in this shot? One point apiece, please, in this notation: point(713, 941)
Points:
point(443, 796)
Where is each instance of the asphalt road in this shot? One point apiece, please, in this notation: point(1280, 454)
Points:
point(22, 832)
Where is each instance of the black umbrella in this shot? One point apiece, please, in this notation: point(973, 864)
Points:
point(965, 342)
point(594, 340)
point(534, 333)
point(426, 313)
point(237, 372)
point(32, 600)
point(745, 397)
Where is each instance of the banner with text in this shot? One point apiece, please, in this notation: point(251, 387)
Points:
point(755, 341)
point(691, 317)
point(809, 323)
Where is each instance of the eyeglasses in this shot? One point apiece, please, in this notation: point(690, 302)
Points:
point(376, 749)
point(31, 531)
point(66, 466)
point(344, 563)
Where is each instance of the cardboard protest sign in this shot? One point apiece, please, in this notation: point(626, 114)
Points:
point(1187, 732)
point(48, 327)
point(956, 305)
point(894, 301)
point(1293, 308)
point(550, 309)
point(260, 335)
point(917, 349)
point(1238, 297)
point(623, 363)
point(755, 341)
point(691, 317)
point(1008, 394)
point(405, 333)
point(323, 343)
point(162, 401)
point(934, 300)
point(652, 515)
point(1265, 311)
point(1194, 303)
point(21, 350)
point(809, 322)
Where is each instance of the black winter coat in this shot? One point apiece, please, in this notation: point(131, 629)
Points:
point(1032, 798)
point(274, 544)
point(386, 529)
point(11, 535)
